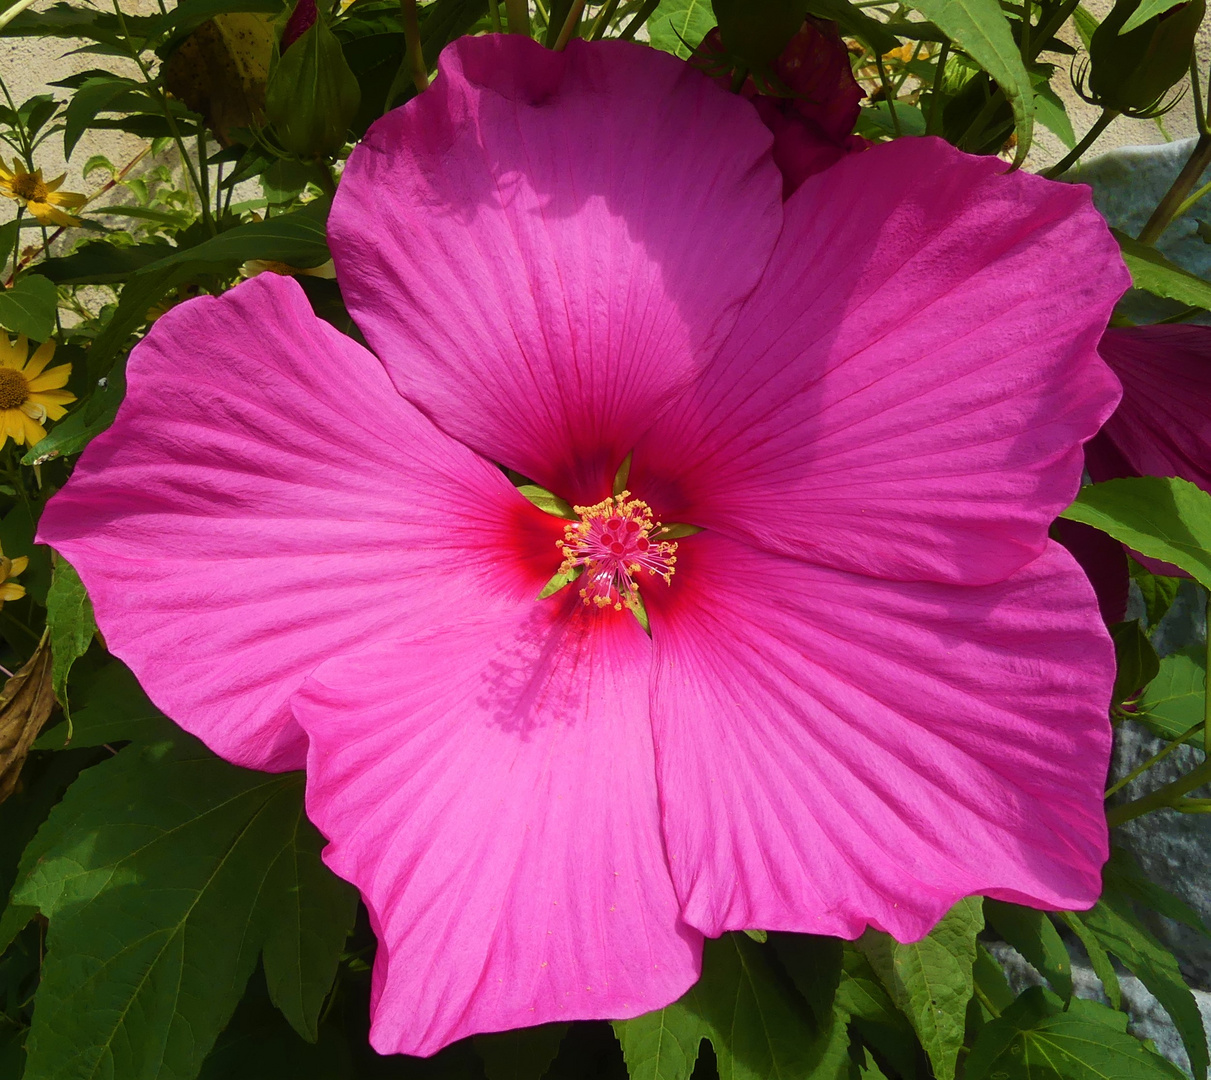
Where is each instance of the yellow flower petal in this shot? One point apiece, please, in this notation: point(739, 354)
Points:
point(34, 432)
point(42, 356)
point(12, 426)
point(19, 565)
point(55, 379)
point(10, 590)
point(56, 183)
point(70, 199)
point(12, 354)
point(48, 215)
point(52, 397)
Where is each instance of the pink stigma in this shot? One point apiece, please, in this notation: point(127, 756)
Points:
point(613, 542)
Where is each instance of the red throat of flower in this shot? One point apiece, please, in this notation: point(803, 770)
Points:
point(614, 543)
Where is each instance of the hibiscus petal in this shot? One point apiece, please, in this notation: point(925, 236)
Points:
point(543, 246)
point(906, 392)
point(266, 498)
point(835, 751)
point(491, 790)
point(1163, 425)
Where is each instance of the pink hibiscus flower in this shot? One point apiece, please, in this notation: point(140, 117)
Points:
point(872, 686)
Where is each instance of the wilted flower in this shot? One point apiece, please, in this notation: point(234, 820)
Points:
point(872, 686)
point(42, 198)
point(30, 393)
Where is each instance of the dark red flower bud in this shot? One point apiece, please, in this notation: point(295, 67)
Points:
point(302, 18)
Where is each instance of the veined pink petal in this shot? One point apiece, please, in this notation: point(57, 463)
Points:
point(835, 751)
point(266, 498)
point(492, 792)
point(543, 247)
point(907, 392)
point(1162, 427)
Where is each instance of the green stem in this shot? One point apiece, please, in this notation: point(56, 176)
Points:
point(986, 1001)
point(494, 7)
point(1192, 200)
point(889, 94)
point(136, 55)
point(1091, 136)
point(602, 23)
point(413, 52)
point(640, 17)
point(931, 122)
point(518, 14)
point(1200, 119)
point(1164, 798)
point(569, 26)
point(1155, 759)
point(1167, 209)
point(17, 245)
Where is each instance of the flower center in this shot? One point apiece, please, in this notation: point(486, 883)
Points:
point(614, 543)
point(27, 186)
point(13, 389)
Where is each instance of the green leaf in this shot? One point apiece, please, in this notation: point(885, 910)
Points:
point(1173, 702)
point(1035, 1039)
point(1098, 960)
point(759, 1030)
point(1153, 273)
point(69, 617)
point(107, 93)
point(1162, 517)
point(1147, 10)
point(109, 707)
point(1035, 937)
point(1121, 934)
point(814, 964)
point(989, 979)
point(1086, 23)
point(548, 502)
point(861, 996)
point(1158, 591)
point(931, 980)
point(29, 307)
point(981, 29)
point(1051, 113)
point(1124, 881)
point(677, 26)
point(855, 22)
point(101, 263)
point(164, 873)
point(662, 1045)
point(1136, 662)
point(523, 1054)
point(76, 430)
point(297, 239)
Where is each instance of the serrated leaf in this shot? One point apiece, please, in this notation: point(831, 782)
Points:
point(1120, 933)
point(164, 873)
point(677, 26)
point(1173, 702)
point(523, 1054)
point(1035, 937)
point(1153, 273)
point(1098, 960)
point(981, 28)
point(931, 980)
point(1036, 1039)
point(661, 1045)
point(1158, 591)
point(758, 1028)
point(989, 979)
point(1162, 517)
point(26, 701)
point(28, 307)
point(69, 618)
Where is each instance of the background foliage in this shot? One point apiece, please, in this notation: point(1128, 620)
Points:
point(167, 914)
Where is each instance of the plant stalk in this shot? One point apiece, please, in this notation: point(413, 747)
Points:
point(1167, 209)
point(1074, 155)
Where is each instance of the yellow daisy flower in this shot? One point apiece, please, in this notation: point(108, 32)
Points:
point(9, 569)
point(41, 198)
point(29, 393)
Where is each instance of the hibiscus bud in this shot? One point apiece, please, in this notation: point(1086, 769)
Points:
point(756, 31)
point(312, 95)
point(1131, 72)
point(302, 18)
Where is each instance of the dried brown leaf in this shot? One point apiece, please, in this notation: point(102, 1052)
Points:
point(26, 701)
